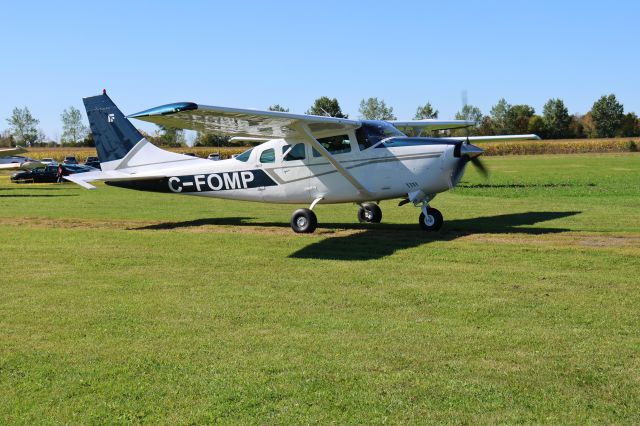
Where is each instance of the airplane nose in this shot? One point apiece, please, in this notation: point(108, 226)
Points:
point(470, 150)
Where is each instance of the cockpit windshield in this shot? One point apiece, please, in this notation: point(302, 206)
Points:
point(372, 132)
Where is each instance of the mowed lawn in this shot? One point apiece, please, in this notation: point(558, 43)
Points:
point(119, 306)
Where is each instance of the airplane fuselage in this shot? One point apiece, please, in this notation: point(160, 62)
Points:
point(269, 173)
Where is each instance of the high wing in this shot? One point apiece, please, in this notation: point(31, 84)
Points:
point(432, 124)
point(242, 122)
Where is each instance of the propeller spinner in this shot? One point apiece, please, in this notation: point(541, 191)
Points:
point(468, 152)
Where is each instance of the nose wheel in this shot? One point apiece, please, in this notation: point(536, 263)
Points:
point(369, 213)
point(430, 219)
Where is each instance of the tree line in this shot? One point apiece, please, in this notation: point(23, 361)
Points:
point(23, 129)
point(606, 119)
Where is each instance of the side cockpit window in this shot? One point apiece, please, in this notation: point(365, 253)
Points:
point(334, 144)
point(295, 152)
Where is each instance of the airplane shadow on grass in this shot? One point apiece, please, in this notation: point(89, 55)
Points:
point(36, 195)
point(380, 240)
point(38, 188)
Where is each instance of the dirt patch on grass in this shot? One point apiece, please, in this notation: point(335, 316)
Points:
point(195, 226)
point(244, 226)
point(560, 239)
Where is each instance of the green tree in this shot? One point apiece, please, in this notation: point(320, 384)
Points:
point(374, 109)
point(170, 136)
point(607, 115)
point(576, 127)
point(470, 112)
point(88, 140)
point(22, 126)
point(556, 119)
point(73, 130)
point(278, 108)
point(630, 125)
point(211, 139)
point(327, 107)
point(518, 117)
point(499, 113)
point(6, 139)
point(486, 127)
point(425, 111)
point(536, 126)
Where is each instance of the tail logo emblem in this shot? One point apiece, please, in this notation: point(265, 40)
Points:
point(111, 118)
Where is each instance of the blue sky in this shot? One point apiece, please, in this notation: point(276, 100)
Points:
point(254, 54)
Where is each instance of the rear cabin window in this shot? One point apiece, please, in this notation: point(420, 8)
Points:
point(334, 144)
point(244, 156)
point(296, 153)
point(268, 156)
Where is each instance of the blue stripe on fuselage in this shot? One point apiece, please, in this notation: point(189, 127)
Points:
point(206, 182)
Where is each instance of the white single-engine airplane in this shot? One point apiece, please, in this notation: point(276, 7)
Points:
point(304, 159)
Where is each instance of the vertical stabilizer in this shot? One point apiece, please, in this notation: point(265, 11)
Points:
point(113, 134)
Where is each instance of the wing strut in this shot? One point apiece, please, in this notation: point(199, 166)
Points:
point(304, 129)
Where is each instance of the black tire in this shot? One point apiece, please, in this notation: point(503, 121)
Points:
point(369, 213)
point(304, 221)
point(433, 222)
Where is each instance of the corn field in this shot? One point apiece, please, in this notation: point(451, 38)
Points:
point(558, 146)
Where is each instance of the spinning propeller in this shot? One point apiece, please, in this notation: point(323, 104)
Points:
point(466, 151)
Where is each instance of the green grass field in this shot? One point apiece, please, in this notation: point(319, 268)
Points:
point(119, 306)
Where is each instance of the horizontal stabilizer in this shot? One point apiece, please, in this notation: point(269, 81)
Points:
point(83, 179)
point(77, 179)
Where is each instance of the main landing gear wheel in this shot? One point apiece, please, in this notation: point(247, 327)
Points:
point(370, 213)
point(432, 221)
point(304, 221)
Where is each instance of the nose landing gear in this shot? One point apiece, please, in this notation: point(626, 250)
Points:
point(430, 219)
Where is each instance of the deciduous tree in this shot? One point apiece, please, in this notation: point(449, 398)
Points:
point(518, 117)
point(536, 126)
point(374, 109)
point(607, 115)
point(498, 115)
point(6, 139)
point(470, 112)
point(425, 111)
point(576, 127)
point(556, 119)
point(278, 108)
point(630, 125)
point(23, 126)
point(170, 136)
point(210, 139)
point(73, 129)
point(326, 107)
